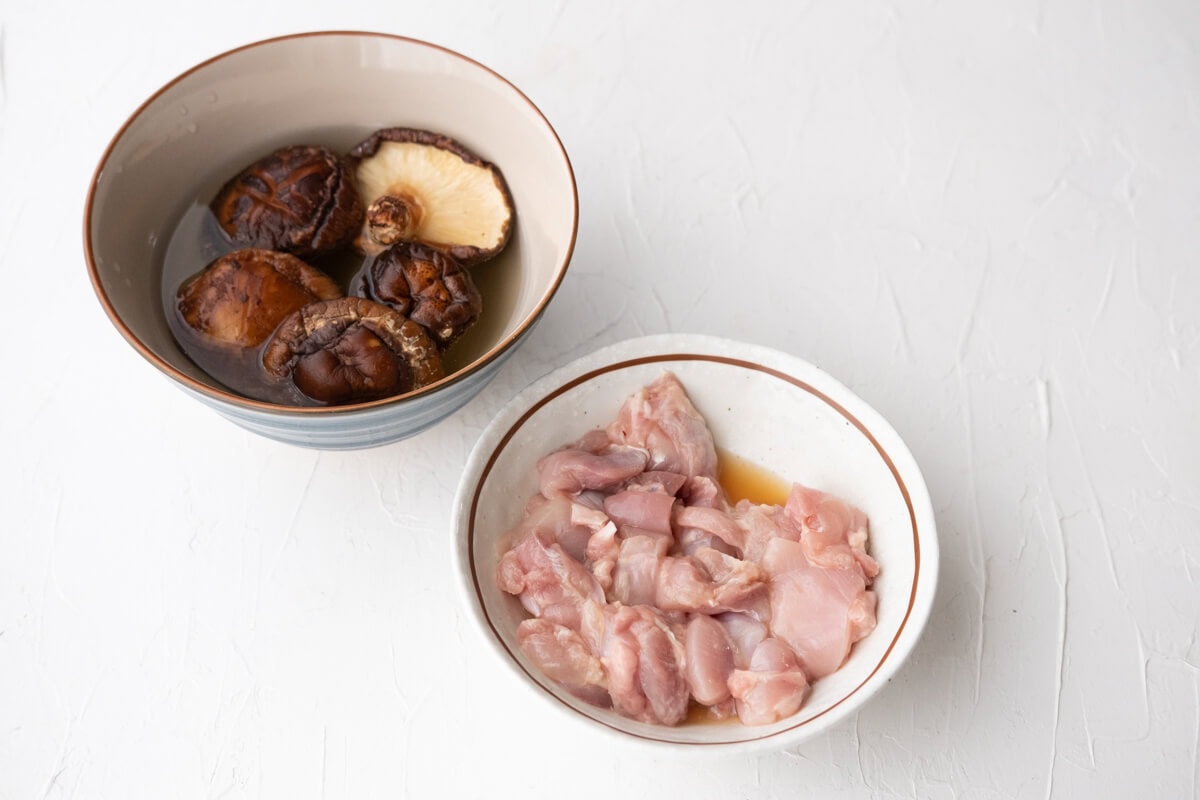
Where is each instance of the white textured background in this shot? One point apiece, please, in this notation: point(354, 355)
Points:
point(983, 217)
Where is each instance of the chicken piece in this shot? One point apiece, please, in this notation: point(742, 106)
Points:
point(700, 526)
point(635, 578)
point(708, 582)
point(648, 511)
point(745, 633)
point(689, 540)
point(603, 551)
point(708, 658)
point(592, 521)
point(818, 611)
point(558, 519)
point(711, 582)
point(644, 663)
point(833, 532)
point(657, 480)
point(761, 524)
point(723, 568)
point(571, 471)
point(552, 585)
point(564, 657)
point(591, 498)
point(662, 420)
point(703, 491)
point(773, 687)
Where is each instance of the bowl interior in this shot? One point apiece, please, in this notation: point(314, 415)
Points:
point(332, 89)
point(779, 413)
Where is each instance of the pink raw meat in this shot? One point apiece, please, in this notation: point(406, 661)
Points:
point(708, 582)
point(554, 586)
point(819, 612)
point(571, 471)
point(644, 663)
point(661, 419)
point(745, 632)
point(711, 582)
point(559, 519)
point(709, 659)
point(656, 480)
point(635, 579)
point(698, 526)
point(648, 588)
point(703, 491)
point(772, 688)
point(649, 511)
point(762, 524)
point(603, 550)
point(564, 657)
point(833, 532)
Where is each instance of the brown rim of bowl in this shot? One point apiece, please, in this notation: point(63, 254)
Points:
point(511, 432)
point(229, 397)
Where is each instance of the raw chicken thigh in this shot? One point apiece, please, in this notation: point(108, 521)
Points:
point(661, 420)
point(649, 593)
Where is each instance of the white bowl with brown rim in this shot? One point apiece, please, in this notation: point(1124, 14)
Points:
point(334, 89)
point(767, 407)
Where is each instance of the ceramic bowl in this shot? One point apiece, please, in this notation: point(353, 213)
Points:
point(768, 407)
point(331, 88)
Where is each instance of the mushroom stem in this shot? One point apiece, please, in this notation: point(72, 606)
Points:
point(394, 217)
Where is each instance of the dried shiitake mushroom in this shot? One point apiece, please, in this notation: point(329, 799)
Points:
point(429, 287)
point(424, 187)
point(351, 350)
point(299, 199)
point(240, 298)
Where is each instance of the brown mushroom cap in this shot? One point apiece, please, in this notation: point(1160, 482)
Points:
point(352, 350)
point(240, 298)
point(425, 187)
point(429, 287)
point(300, 199)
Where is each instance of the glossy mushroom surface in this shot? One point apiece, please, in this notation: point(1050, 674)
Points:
point(429, 287)
point(351, 350)
point(422, 186)
point(300, 199)
point(241, 297)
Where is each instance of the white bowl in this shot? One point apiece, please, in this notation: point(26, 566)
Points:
point(331, 88)
point(763, 405)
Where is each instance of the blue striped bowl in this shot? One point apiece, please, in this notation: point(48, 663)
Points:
point(183, 142)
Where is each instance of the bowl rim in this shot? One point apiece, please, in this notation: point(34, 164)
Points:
point(666, 348)
point(250, 404)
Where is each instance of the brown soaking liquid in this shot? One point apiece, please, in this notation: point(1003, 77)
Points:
point(703, 715)
point(196, 242)
point(745, 480)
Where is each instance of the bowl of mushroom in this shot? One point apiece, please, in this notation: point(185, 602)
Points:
point(333, 239)
point(696, 544)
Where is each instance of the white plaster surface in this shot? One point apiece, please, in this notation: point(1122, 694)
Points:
point(981, 216)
